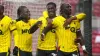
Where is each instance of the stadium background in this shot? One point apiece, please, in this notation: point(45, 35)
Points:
point(37, 6)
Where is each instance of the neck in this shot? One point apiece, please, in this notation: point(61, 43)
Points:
point(65, 16)
point(52, 17)
point(1, 16)
point(25, 20)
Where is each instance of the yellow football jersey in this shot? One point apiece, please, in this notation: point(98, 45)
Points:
point(22, 38)
point(15, 35)
point(5, 36)
point(14, 32)
point(66, 36)
point(45, 14)
point(81, 16)
point(49, 42)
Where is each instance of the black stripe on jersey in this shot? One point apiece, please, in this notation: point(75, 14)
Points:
point(13, 29)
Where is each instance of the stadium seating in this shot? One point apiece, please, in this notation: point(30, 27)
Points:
point(95, 46)
point(96, 9)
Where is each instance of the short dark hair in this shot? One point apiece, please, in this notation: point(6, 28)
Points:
point(20, 9)
point(51, 3)
point(62, 6)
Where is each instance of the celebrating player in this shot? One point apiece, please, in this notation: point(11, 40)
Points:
point(23, 38)
point(47, 46)
point(66, 33)
point(5, 34)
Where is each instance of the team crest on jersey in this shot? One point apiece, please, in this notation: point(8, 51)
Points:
point(72, 29)
point(53, 30)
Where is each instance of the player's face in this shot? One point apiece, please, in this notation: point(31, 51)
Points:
point(67, 9)
point(25, 13)
point(51, 10)
point(1, 10)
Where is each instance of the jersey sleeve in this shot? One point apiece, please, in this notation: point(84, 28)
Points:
point(33, 21)
point(12, 25)
point(41, 18)
point(15, 35)
point(14, 31)
point(81, 16)
point(55, 22)
point(45, 14)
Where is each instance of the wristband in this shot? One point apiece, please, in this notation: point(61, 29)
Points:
point(43, 34)
point(83, 47)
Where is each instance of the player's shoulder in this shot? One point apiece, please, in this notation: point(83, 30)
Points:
point(13, 22)
point(7, 18)
point(59, 18)
point(56, 18)
point(45, 13)
point(41, 18)
point(19, 22)
point(32, 19)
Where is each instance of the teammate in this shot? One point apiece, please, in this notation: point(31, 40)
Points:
point(47, 46)
point(66, 33)
point(23, 36)
point(5, 35)
point(79, 38)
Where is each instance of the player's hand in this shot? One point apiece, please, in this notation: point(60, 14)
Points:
point(42, 36)
point(74, 18)
point(39, 23)
point(77, 40)
point(15, 51)
point(85, 53)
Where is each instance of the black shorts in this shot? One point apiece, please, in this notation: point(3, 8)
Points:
point(61, 53)
point(24, 53)
point(45, 52)
point(5, 53)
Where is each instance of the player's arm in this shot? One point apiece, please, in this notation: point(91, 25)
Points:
point(15, 50)
point(46, 29)
point(68, 21)
point(80, 40)
point(35, 27)
point(13, 30)
point(79, 37)
point(80, 16)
